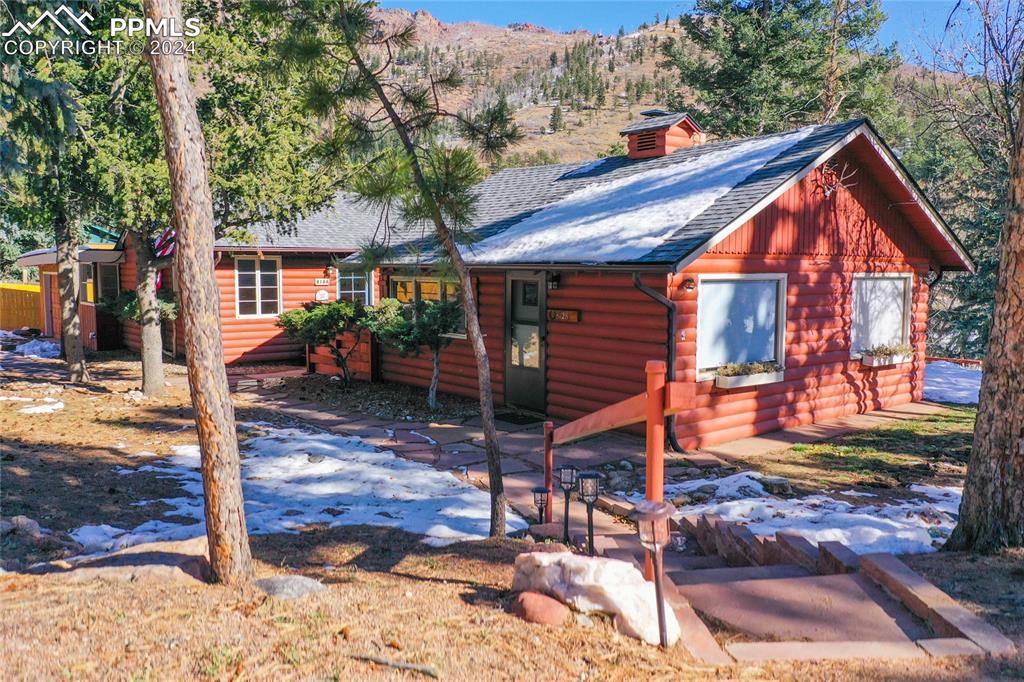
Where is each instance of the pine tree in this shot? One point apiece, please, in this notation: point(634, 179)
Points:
point(556, 122)
point(765, 66)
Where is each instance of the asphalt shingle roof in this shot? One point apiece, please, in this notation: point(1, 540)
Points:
point(512, 195)
point(346, 225)
point(654, 123)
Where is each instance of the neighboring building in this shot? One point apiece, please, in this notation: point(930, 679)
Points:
point(277, 271)
point(799, 249)
point(98, 277)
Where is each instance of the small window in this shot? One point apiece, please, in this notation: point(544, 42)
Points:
point(108, 280)
point(881, 304)
point(740, 320)
point(257, 286)
point(355, 286)
point(412, 289)
point(86, 289)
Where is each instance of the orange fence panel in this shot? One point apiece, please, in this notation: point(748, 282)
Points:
point(19, 305)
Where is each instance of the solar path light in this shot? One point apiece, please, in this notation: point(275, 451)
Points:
point(652, 526)
point(590, 488)
point(540, 499)
point(567, 481)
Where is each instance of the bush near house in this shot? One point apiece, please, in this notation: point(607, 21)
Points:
point(319, 324)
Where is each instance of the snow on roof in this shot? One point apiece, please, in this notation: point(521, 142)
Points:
point(626, 218)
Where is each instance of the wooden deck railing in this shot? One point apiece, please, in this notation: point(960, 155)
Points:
point(963, 362)
point(661, 399)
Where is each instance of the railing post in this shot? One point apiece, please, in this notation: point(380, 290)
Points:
point(549, 467)
point(655, 472)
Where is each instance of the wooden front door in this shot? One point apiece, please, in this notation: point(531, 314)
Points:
point(524, 341)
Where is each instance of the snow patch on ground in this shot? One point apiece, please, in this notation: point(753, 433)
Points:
point(911, 527)
point(946, 382)
point(625, 218)
point(293, 477)
point(37, 348)
point(48, 407)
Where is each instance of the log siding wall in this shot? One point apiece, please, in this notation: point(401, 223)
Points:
point(820, 243)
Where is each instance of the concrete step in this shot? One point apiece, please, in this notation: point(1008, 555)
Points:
point(727, 575)
point(688, 562)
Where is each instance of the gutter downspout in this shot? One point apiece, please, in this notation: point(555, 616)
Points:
point(670, 309)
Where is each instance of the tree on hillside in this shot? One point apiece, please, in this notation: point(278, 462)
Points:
point(984, 101)
point(749, 67)
point(43, 186)
point(556, 121)
point(328, 44)
point(184, 148)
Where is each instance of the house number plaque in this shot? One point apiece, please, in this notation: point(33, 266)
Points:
point(321, 281)
point(562, 315)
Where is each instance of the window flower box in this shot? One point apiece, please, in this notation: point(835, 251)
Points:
point(885, 360)
point(746, 380)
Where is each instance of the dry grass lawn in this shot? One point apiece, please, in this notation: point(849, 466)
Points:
point(389, 596)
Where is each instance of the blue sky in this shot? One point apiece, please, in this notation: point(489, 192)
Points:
point(910, 23)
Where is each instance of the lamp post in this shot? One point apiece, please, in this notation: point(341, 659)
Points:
point(590, 488)
point(540, 499)
point(567, 481)
point(652, 526)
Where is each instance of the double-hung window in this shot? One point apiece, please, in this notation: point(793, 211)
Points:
point(355, 286)
point(108, 281)
point(258, 287)
point(881, 310)
point(413, 289)
point(740, 319)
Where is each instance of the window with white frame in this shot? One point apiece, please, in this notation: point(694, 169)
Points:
point(413, 289)
point(881, 310)
point(740, 319)
point(86, 289)
point(355, 286)
point(258, 287)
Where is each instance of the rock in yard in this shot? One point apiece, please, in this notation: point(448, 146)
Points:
point(181, 561)
point(290, 586)
point(590, 584)
point(27, 526)
point(551, 547)
point(534, 607)
point(777, 485)
point(681, 500)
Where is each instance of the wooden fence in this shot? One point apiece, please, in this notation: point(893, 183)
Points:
point(19, 306)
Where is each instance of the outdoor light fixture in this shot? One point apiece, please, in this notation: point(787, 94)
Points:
point(540, 499)
point(590, 488)
point(567, 481)
point(689, 284)
point(554, 280)
point(652, 526)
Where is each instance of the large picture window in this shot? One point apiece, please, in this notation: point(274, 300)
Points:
point(740, 319)
point(412, 289)
point(881, 306)
point(355, 286)
point(258, 287)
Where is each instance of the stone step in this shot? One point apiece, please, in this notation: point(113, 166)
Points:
point(835, 557)
point(732, 574)
point(697, 639)
point(799, 550)
point(764, 652)
point(687, 562)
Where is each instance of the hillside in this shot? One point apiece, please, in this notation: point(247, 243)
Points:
point(601, 82)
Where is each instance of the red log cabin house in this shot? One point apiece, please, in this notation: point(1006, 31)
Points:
point(798, 250)
point(280, 270)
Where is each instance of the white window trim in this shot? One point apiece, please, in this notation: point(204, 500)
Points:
point(259, 300)
point(81, 284)
point(368, 290)
point(709, 373)
point(416, 290)
point(908, 302)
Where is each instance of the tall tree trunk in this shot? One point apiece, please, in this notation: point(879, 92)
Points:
point(185, 150)
point(435, 377)
point(830, 85)
point(495, 484)
point(68, 277)
point(992, 510)
point(149, 319)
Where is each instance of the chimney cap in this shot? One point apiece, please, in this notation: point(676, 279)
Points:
point(656, 119)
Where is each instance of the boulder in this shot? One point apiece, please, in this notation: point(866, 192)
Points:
point(180, 561)
point(777, 485)
point(597, 584)
point(553, 547)
point(534, 607)
point(290, 586)
point(27, 526)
